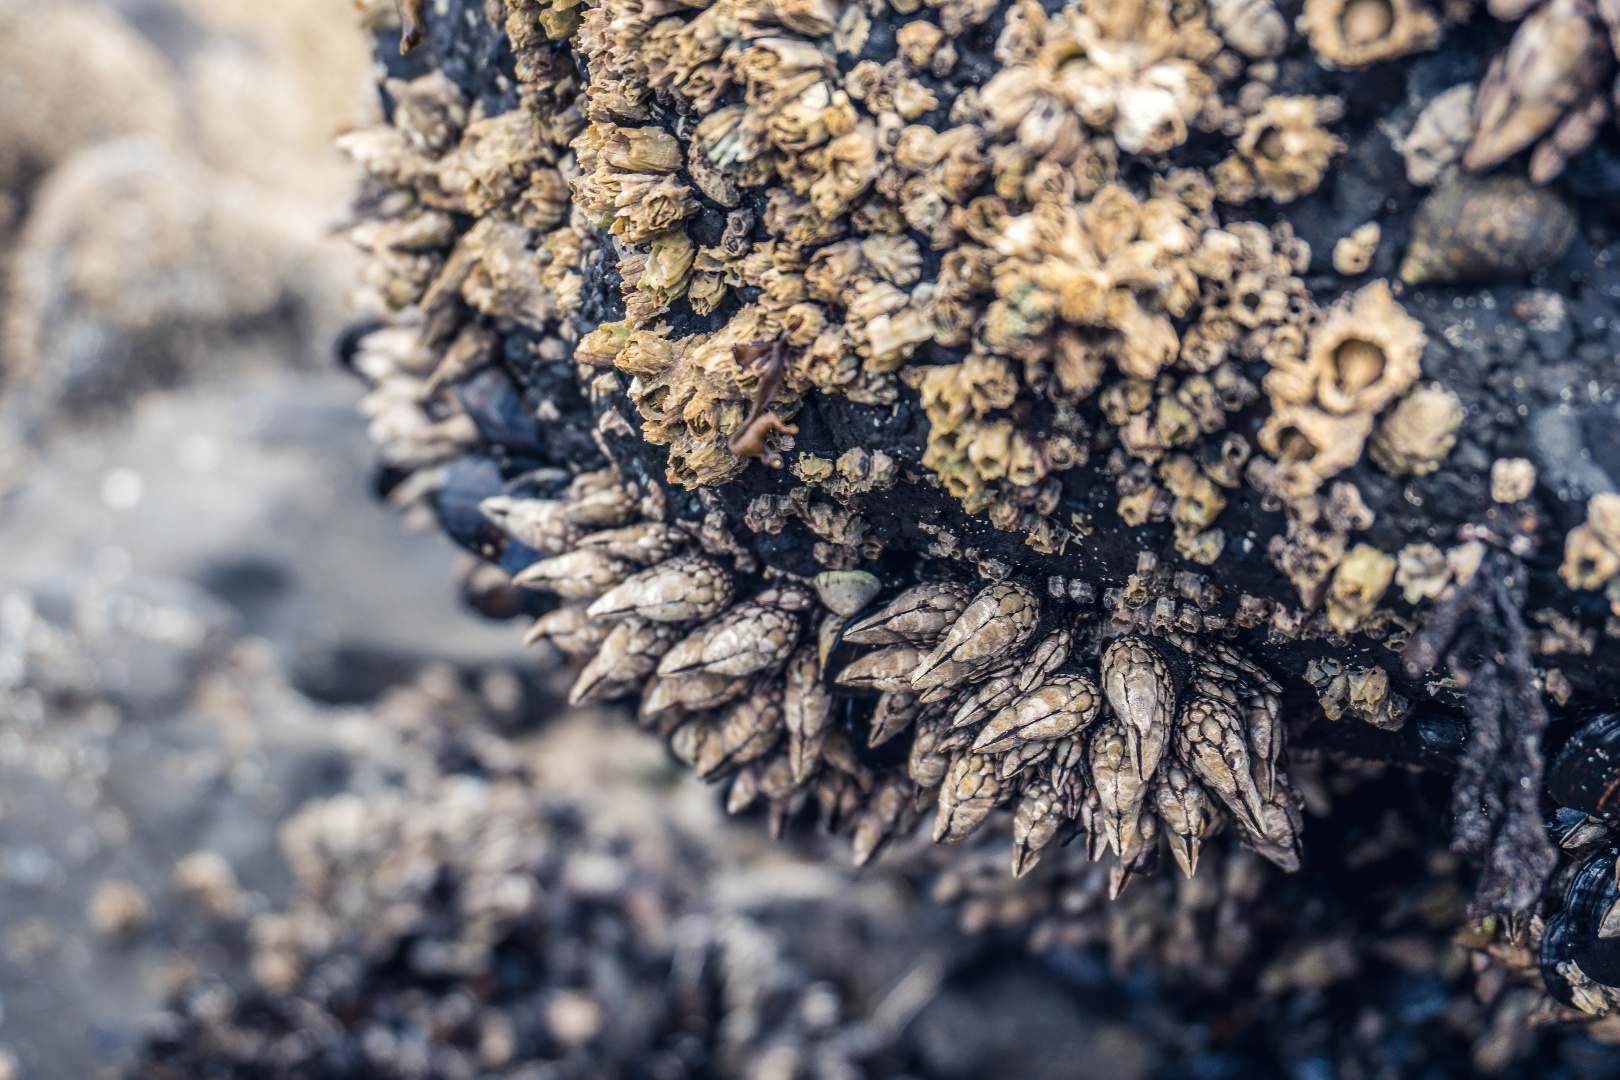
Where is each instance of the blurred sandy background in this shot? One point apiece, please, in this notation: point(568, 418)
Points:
point(195, 584)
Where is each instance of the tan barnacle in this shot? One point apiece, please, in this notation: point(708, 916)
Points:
point(1365, 352)
point(1210, 742)
point(746, 732)
point(1418, 433)
point(1592, 549)
point(1064, 705)
point(1421, 572)
point(889, 808)
point(886, 670)
point(570, 629)
point(807, 712)
point(1283, 152)
point(1359, 583)
point(1278, 837)
point(543, 524)
point(969, 792)
point(680, 589)
point(1353, 254)
point(1253, 27)
point(579, 575)
point(919, 616)
point(747, 639)
point(893, 713)
point(1184, 807)
point(1000, 620)
point(1512, 480)
point(1120, 792)
point(1036, 821)
point(1359, 33)
point(627, 656)
point(1555, 60)
point(989, 696)
point(644, 543)
point(1046, 657)
point(1137, 683)
point(1309, 446)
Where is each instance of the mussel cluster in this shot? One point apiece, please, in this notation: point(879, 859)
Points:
point(1103, 484)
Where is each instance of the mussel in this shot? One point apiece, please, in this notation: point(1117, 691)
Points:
point(1586, 773)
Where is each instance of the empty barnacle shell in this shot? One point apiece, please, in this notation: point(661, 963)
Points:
point(846, 591)
point(747, 639)
point(1184, 807)
point(884, 670)
point(579, 575)
point(1210, 741)
point(919, 616)
point(1000, 619)
point(542, 524)
point(966, 797)
point(1586, 773)
point(627, 656)
point(677, 590)
point(1063, 705)
point(893, 713)
point(1365, 352)
point(1486, 229)
point(1139, 689)
point(807, 713)
point(1359, 33)
point(570, 629)
point(1120, 791)
point(1557, 58)
point(643, 543)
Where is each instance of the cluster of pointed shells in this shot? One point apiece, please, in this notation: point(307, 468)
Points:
point(797, 693)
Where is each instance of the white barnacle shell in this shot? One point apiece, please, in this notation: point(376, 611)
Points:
point(539, 523)
point(998, 621)
point(628, 655)
point(1139, 690)
point(885, 670)
point(918, 616)
point(1210, 741)
point(677, 590)
point(747, 639)
point(970, 791)
point(1064, 705)
point(1120, 792)
point(1184, 807)
point(578, 575)
point(643, 543)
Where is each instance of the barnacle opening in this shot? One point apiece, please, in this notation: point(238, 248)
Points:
point(1357, 364)
point(1365, 22)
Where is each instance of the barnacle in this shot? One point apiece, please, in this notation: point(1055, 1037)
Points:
point(1041, 371)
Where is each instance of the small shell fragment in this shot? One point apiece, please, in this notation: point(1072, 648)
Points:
point(846, 591)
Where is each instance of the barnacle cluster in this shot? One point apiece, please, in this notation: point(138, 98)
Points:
point(832, 363)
